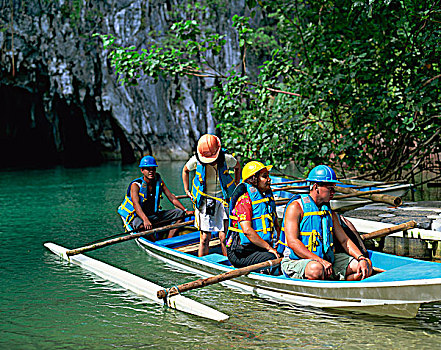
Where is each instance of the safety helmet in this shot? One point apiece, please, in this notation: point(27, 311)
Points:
point(252, 168)
point(208, 149)
point(148, 161)
point(322, 173)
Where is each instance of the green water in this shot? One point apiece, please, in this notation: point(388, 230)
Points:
point(49, 304)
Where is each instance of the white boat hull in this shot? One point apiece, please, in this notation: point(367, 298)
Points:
point(392, 298)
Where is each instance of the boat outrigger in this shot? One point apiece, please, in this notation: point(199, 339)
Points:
point(399, 291)
point(137, 284)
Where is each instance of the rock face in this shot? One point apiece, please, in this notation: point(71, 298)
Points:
point(60, 100)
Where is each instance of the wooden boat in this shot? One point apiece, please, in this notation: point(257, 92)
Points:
point(393, 189)
point(398, 291)
point(137, 284)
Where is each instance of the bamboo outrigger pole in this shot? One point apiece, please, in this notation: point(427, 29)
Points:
point(387, 231)
point(374, 195)
point(127, 238)
point(202, 282)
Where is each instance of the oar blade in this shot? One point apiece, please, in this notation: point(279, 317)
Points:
point(137, 284)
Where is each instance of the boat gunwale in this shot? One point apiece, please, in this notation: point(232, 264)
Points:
point(263, 291)
point(299, 282)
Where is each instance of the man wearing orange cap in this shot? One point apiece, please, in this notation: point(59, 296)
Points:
point(212, 188)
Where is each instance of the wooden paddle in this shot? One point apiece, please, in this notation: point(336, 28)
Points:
point(374, 195)
point(290, 188)
point(155, 225)
point(126, 238)
point(387, 231)
point(202, 282)
point(287, 182)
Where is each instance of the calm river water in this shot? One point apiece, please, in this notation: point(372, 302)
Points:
point(49, 304)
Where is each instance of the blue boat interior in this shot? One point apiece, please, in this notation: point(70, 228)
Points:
point(215, 255)
point(179, 241)
point(396, 268)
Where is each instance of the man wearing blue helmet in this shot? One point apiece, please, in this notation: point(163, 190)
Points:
point(141, 205)
point(309, 229)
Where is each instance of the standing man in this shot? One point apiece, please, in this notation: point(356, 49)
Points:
point(212, 188)
point(141, 205)
point(309, 231)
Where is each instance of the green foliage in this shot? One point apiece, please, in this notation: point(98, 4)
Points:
point(352, 84)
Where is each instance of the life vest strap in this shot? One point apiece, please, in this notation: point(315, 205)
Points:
point(224, 203)
point(123, 206)
point(231, 183)
point(263, 200)
point(312, 243)
point(280, 242)
point(319, 213)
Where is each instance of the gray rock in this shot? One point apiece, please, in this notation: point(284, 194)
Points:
point(60, 98)
point(423, 218)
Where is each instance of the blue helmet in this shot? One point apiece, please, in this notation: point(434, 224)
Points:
point(322, 173)
point(147, 161)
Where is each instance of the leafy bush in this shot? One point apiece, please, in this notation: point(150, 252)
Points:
point(347, 83)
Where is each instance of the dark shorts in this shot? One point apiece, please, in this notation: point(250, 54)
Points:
point(241, 256)
point(159, 216)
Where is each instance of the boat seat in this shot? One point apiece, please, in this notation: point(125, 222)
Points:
point(215, 258)
point(415, 271)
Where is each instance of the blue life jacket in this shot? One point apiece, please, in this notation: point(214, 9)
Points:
point(315, 230)
point(126, 209)
point(226, 182)
point(264, 214)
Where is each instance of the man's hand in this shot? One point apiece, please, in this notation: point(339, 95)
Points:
point(147, 224)
point(328, 268)
point(363, 268)
point(274, 251)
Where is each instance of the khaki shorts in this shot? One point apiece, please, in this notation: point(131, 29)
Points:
point(296, 268)
point(210, 223)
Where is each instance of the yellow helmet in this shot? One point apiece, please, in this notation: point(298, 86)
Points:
point(253, 167)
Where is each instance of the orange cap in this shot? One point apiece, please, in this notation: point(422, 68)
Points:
point(209, 147)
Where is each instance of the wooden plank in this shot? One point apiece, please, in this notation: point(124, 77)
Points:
point(191, 248)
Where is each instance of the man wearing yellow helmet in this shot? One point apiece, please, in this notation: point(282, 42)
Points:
point(253, 228)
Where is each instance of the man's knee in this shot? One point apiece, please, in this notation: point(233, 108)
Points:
point(314, 271)
point(177, 213)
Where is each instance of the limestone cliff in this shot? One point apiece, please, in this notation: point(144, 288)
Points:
point(59, 98)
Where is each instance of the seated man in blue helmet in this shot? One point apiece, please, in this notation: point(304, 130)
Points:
point(141, 205)
point(309, 229)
